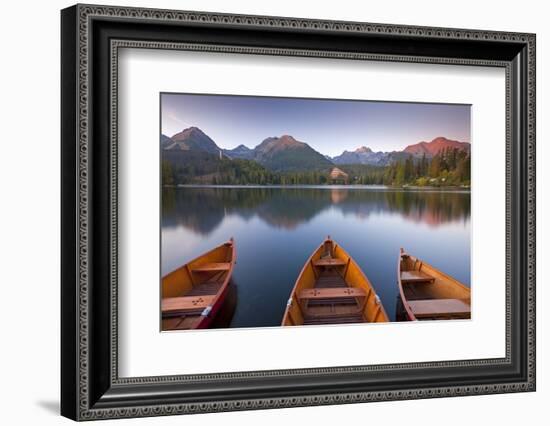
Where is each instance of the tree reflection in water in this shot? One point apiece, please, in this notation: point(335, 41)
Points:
point(202, 209)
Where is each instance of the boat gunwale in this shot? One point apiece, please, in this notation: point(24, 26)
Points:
point(308, 263)
point(404, 300)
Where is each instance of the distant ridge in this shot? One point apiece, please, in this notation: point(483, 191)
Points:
point(241, 151)
point(165, 141)
point(435, 146)
point(364, 155)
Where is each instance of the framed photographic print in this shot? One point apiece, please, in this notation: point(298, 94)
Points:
point(263, 212)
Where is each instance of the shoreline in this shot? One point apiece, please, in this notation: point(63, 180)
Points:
point(339, 187)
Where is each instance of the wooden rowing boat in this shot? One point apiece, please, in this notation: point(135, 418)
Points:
point(193, 294)
point(332, 289)
point(429, 294)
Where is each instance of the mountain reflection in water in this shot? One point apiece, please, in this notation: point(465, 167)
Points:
point(283, 225)
point(203, 209)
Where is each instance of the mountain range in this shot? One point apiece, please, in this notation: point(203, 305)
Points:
point(364, 155)
point(286, 154)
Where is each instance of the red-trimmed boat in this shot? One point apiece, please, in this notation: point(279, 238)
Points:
point(193, 294)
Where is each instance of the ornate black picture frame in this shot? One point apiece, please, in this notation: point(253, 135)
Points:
point(91, 36)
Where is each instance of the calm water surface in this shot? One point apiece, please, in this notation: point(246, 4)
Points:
point(277, 229)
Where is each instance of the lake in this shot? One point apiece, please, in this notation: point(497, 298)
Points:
point(277, 228)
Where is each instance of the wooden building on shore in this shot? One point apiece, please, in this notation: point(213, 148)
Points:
point(338, 176)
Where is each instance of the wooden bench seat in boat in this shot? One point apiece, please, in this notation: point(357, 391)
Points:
point(212, 267)
point(336, 296)
point(411, 277)
point(331, 293)
point(439, 308)
point(185, 304)
point(329, 261)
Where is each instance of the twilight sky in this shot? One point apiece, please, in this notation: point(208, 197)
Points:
point(328, 126)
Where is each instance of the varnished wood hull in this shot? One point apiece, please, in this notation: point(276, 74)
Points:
point(194, 293)
point(332, 289)
point(427, 293)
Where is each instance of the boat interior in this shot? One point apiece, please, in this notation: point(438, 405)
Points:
point(331, 290)
point(191, 290)
point(430, 294)
point(333, 304)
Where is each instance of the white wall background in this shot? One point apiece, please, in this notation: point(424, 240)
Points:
point(29, 212)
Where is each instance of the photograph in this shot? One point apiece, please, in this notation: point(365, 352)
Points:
point(270, 208)
point(286, 212)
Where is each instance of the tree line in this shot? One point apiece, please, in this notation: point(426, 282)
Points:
point(450, 167)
